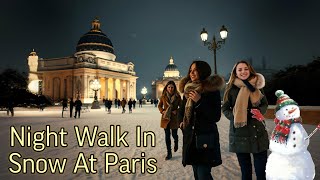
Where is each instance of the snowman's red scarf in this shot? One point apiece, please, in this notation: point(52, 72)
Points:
point(282, 129)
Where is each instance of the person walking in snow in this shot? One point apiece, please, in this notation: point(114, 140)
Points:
point(78, 105)
point(130, 103)
point(123, 105)
point(201, 110)
point(247, 134)
point(168, 107)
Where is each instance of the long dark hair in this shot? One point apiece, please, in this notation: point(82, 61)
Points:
point(203, 69)
point(174, 85)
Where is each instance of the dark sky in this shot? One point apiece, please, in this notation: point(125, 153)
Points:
point(148, 32)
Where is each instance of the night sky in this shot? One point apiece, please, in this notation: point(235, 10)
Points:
point(148, 32)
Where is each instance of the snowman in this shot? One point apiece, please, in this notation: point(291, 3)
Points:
point(289, 158)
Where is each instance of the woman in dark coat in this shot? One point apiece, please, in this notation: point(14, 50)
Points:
point(247, 133)
point(168, 107)
point(201, 110)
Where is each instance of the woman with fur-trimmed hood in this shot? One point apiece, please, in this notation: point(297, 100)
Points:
point(201, 110)
point(244, 101)
point(168, 107)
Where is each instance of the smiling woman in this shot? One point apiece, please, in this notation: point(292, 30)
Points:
point(201, 110)
point(247, 132)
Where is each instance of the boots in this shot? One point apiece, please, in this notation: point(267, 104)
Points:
point(169, 155)
point(175, 148)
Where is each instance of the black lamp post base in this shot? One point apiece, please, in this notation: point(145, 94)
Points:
point(95, 105)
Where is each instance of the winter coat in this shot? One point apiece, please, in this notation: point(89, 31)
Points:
point(206, 113)
point(130, 104)
point(174, 122)
point(252, 138)
point(78, 104)
point(123, 103)
point(71, 104)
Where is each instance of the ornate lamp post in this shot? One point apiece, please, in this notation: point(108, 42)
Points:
point(214, 45)
point(95, 86)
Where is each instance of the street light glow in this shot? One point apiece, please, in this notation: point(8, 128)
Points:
point(144, 91)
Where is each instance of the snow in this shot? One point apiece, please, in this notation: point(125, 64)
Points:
point(147, 117)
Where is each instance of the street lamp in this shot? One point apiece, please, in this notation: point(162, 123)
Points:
point(144, 92)
point(214, 45)
point(95, 86)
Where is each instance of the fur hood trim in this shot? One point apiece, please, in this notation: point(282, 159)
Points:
point(212, 83)
point(261, 82)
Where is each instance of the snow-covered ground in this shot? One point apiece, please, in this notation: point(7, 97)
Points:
point(141, 162)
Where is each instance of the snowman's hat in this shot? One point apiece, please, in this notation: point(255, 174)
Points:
point(283, 100)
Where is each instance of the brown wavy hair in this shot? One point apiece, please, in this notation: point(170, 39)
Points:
point(233, 76)
point(174, 85)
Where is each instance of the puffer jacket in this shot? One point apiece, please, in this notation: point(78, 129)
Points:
point(252, 138)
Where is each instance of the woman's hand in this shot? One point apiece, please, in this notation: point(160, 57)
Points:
point(181, 124)
point(195, 96)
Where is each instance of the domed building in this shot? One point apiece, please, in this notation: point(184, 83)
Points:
point(171, 73)
point(72, 76)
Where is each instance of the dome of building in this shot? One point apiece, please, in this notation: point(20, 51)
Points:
point(171, 69)
point(171, 66)
point(95, 40)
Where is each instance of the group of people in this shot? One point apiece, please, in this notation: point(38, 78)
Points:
point(120, 103)
point(72, 104)
point(198, 111)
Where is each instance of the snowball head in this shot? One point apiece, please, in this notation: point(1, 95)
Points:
point(288, 112)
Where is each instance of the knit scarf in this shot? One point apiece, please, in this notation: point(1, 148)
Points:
point(169, 99)
point(190, 86)
point(282, 129)
point(240, 109)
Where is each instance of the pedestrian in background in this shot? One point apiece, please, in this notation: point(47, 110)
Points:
point(130, 105)
point(168, 106)
point(71, 105)
point(64, 105)
point(123, 105)
point(78, 105)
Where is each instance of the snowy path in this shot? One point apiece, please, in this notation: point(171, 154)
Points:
point(147, 117)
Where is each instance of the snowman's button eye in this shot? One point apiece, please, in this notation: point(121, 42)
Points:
point(294, 138)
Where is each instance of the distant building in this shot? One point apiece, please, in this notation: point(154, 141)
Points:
point(67, 77)
point(171, 73)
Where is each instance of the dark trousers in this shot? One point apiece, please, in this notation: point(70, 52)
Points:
point(168, 138)
point(260, 161)
point(77, 112)
point(71, 109)
point(202, 172)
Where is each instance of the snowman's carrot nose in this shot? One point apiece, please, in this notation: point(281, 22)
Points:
point(291, 111)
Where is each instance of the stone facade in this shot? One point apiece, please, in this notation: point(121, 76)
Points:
point(68, 77)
